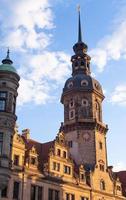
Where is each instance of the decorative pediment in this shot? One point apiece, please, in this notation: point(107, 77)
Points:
point(60, 138)
point(18, 139)
point(33, 150)
point(51, 151)
point(81, 168)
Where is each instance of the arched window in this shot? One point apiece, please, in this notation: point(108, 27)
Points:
point(102, 185)
point(84, 83)
point(98, 111)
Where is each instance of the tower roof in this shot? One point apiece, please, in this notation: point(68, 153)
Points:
point(7, 64)
point(81, 79)
point(79, 26)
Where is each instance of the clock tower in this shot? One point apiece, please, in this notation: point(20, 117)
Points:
point(82, 98)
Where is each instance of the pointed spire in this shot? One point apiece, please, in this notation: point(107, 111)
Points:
point(79, 26)
point(80, 46)
point(8, 52)
point(7, 60)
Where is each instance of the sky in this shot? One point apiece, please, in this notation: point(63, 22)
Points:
point(40, 35)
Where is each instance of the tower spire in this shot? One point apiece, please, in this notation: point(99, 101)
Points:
point(79, 25)
point(7, 60)
point(8, 53)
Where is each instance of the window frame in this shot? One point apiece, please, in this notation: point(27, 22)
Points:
point(64, 154)
point(16, 159)
point(33, 158)
point(102, 185)
point(1, 142)
point(59, 152)
point(70, 144)
point(3, 98)
point(53, 194)
point(16, 191)
point(4, 193)
point(72, 114)
point(67, 169)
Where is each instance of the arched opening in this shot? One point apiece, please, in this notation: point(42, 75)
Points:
point(102, 185)
point(98, 111)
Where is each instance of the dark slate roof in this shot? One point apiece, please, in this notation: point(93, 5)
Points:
point(77, 79)
point(41, 148)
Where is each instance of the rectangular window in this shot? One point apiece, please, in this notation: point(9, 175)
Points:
point(56, 166)
point(84, 198)
point(100, 145)
point(16, 160)
point(4, 193)
point(33, 192)
point(1, 143)
point(39, 193)
point(67, 196)
point(70, 144)
point(53, 194)
point(50, 194)
point(67, 169)
point(2, 105)
point(36, 192)
point(64, 154)
point(56, 195)
point(70, 196)
point(16, 190)
point(33, 161)
point(3, 96)
point(82, 176)
point(58, 152)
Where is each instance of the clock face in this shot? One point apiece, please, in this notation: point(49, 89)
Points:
point(86, 136)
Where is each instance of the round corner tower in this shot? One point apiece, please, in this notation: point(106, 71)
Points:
point(9, 83)
point(82, 99)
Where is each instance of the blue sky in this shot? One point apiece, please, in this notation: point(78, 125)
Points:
point(40, 36)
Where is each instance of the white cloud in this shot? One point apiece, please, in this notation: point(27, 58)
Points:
point(119, 95)
point(42, 76)
point(120, 166)
point(25, 24)
point(27, 30)
point(111, 47)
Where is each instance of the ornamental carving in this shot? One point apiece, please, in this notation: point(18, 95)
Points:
point(7, 123)
point(10, 100)
point(60, 138)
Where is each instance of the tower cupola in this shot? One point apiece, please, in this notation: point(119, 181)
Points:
point(7, 64)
